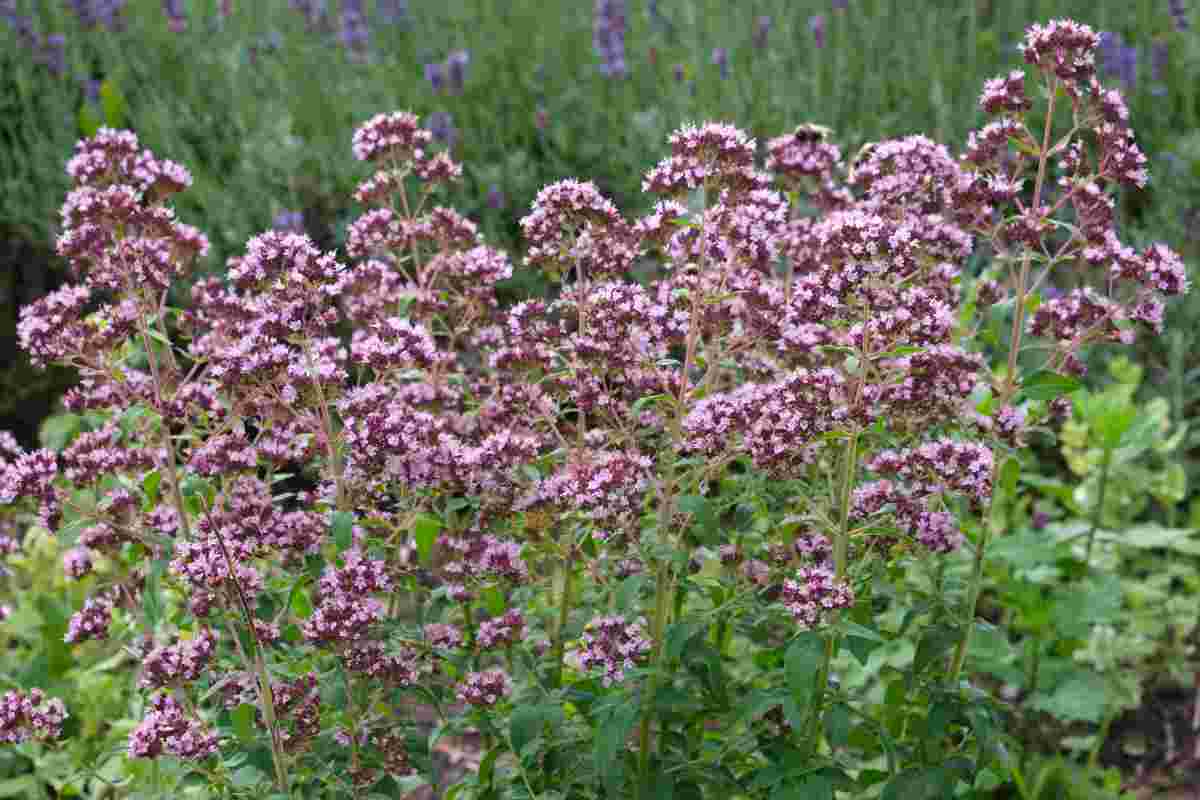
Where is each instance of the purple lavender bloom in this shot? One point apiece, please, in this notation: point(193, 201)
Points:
point(456, 69)
point(91, 90)
point(393, 12)
point(816, 24)
point(762, 29)
point(91, 13)
point(720, 57)
point(176, 17)
point(53, 54)
point(495, 198)
point(354, 32)
point(1117, 59)
point(1179, 15)
point(608, 37)
point(315, 12)
point(840, 5)
point(678, 72)
point(441, 125)
point(289, 221)
point(22, 26)
point(1160, 55)
point(433, 74)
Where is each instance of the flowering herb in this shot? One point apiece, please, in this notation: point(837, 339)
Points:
point(625, 513)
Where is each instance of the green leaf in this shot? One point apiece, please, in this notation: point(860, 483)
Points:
point(801, 665)
point(704, 521)
point(425, 533)
point(243, 723)
point(837, 725)
point(301, 603)
point(629, 593)
point(1046, 385)
point(1081, 698)
point(1010, 472)
point(152, 595)
point(113, 103)
point(919, 783)
point(1088, 602)
point(493, 601)
point(487, 767)
point(527, 722)
point(342, 525)
point(247, 776)
point(150, 486)
point(1152, 535)
point(860, 640)
point(679, 634)
point(615, 727)
point(89, 121)
point(936, 641)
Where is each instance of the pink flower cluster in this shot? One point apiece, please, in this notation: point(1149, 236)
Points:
point(613, 645)
point(813, 594)
point(29, 715)
point(169, 729)
point(485, 688)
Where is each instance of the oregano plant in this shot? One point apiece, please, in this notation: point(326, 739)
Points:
point(717, 531)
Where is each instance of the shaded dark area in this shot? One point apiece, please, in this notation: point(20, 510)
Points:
point(28, 272)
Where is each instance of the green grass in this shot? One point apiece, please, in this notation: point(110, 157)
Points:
point(276, 134)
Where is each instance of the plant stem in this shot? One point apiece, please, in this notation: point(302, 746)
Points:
point(1105, 464)
point(560, 629)
point(841, 548)
point(973, 592)
point(662, 593)
point(1008, 391)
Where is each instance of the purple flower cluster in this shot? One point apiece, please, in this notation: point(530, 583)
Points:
point(485, 688)
point(346, 610)
point(813, 594)
point(500, 632)
point(179, 663)
point(90, 622)
point(169, 729)
point(613, 645)
point(29, 715)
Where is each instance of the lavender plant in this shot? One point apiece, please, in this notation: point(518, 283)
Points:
point(634, 536)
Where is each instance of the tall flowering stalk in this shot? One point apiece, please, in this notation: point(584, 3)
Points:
point(561, 514)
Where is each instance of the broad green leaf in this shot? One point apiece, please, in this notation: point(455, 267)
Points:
point(628, 594)
point(1046, 385)
point(113, 103)
point(342, 526)
point(937, 641)
point(425, 533)
point(243, 723)
point(1010, 472)
point(493, 601)
point(837, 725)
point(89, 120)
point(918, 783)
point(152, 594)
point(1151, 535)
point(527, 722)
point(615, 727)
point(1084, 697)
point(703, 518)
point(247, 776)
point(801, 665)
point(679, 634)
